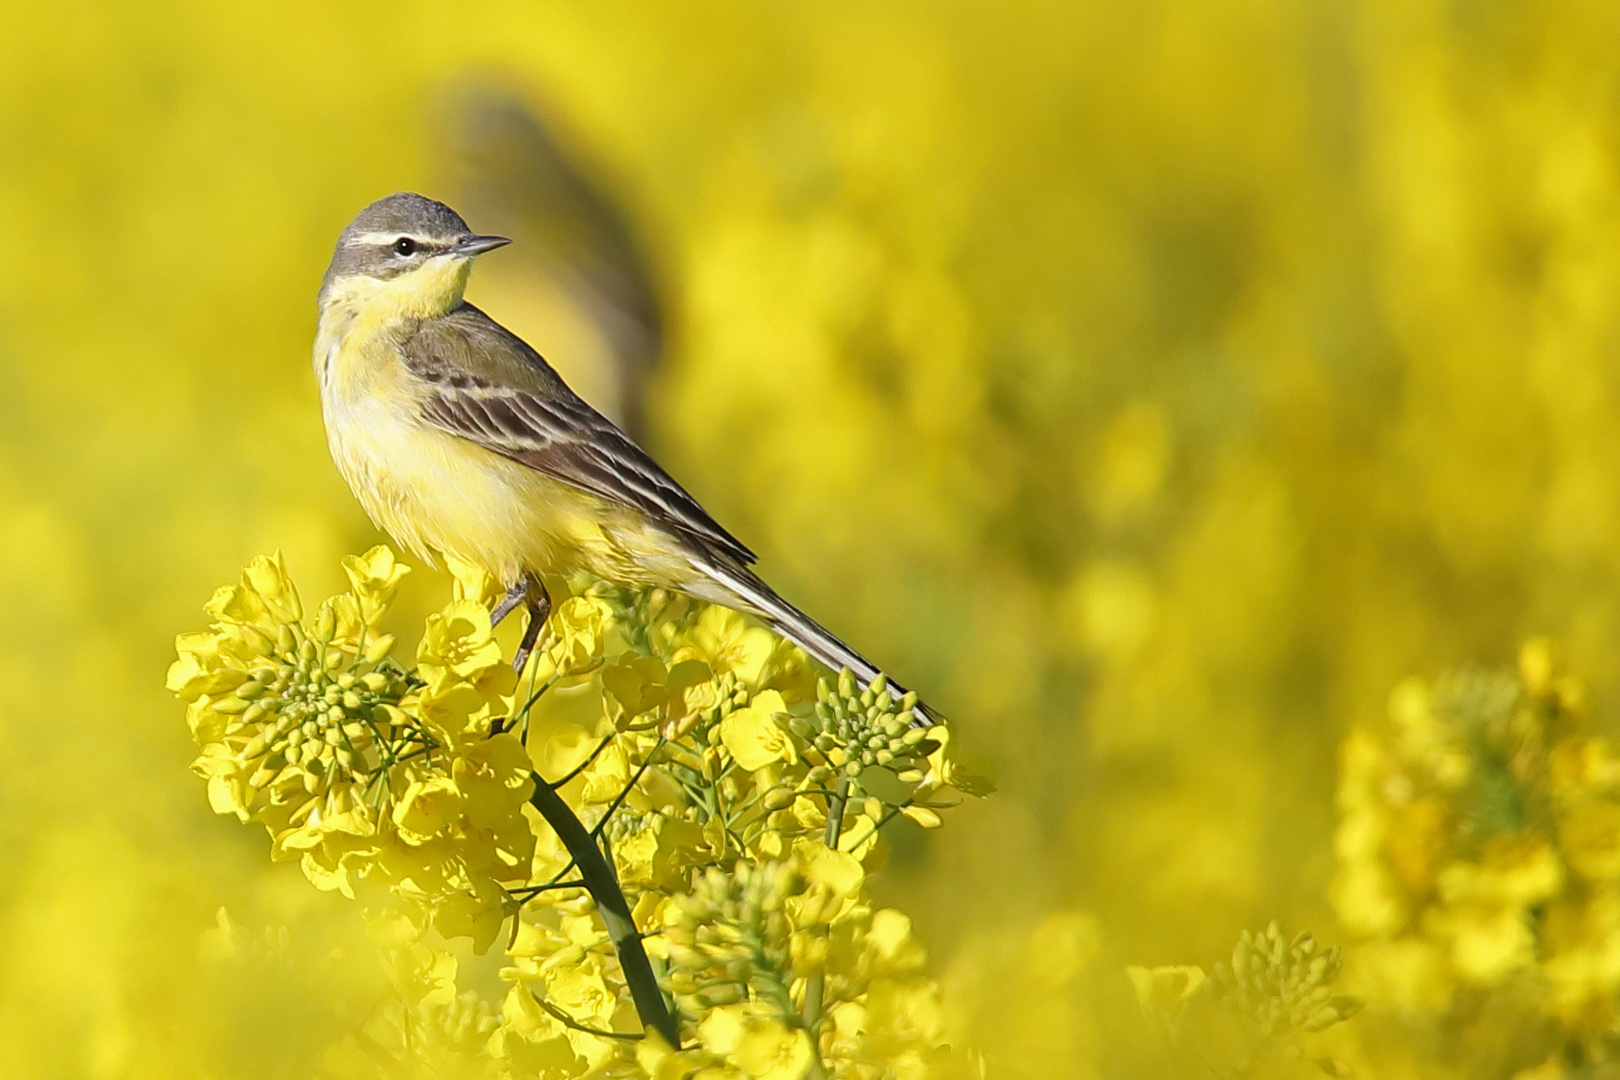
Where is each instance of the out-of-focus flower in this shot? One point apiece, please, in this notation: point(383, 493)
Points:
point(1164, 990)
point(1478, 844)
point(1263, 1007)
point(1284, 985)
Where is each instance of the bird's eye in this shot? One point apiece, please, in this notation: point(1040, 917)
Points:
point(404, 246)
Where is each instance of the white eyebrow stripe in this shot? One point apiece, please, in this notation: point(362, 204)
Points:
point(386, 238)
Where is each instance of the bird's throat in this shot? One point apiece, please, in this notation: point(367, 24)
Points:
point(430, 290)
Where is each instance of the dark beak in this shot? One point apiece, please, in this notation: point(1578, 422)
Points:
point(477, 245)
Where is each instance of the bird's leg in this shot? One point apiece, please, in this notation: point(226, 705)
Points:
point(514, 596)
point(539, 602)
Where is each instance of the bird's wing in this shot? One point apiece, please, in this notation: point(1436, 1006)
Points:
point(490, 387)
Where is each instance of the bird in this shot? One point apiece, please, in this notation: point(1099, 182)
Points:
point(458, 438)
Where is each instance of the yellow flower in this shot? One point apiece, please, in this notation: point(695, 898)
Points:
point(373, 579)
point(1516, 869)
point(1581, 939)
point(904, 1022)
point(294, 726)
point(267, 577)
point(459, 642)
point(202, 668)
point(495, 778)
point(653, 849)
point(839, 871)
point(1581, 764)
point(579, 627)
point(692, 691)
point(580, 991)
point(366, 772)
point(893, 950)
point(659, 1061)
point(471, 582)
point(477, 915)
point(635, 685)
point(1488, 942)
point(756, 1041)
point(426, 808)
point(1590, 839)
point(729, 644)
point(753, 736)
point(607, 775)
point(333, 851)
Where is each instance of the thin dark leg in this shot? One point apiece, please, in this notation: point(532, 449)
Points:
point(539, 602)
point(514, 596)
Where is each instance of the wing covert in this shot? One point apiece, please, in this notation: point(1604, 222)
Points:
point(489, 387)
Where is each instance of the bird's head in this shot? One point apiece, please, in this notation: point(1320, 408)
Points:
point(405, 255)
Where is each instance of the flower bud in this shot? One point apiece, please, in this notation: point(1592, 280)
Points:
point(229, 705)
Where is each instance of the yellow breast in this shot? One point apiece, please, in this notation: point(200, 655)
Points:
point(435, 492)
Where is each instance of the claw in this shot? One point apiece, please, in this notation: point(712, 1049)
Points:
point(539, 611)
point(514, 596)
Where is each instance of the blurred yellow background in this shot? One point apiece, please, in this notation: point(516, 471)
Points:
point(1153, 385)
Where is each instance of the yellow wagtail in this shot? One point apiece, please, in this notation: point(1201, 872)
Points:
point(458, 438)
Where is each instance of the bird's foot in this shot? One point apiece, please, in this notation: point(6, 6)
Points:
point(514, 596)
point(539, 603)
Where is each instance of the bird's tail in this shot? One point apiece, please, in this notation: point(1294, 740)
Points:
point(753, 595)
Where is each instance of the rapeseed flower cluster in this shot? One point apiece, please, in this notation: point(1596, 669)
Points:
point(1254, 1012)
point(358, 768)
point(1284, 986)
point(739, 805)
point(1477, 847)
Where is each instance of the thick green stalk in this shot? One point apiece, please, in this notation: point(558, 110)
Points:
point(603, 885)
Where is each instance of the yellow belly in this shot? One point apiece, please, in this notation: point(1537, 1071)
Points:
point(435, 492)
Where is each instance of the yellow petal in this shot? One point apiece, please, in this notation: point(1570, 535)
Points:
point(838, 870)
point(753, 736)
point(267, 576)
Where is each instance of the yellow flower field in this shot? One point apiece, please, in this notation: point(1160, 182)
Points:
point(1212, 409)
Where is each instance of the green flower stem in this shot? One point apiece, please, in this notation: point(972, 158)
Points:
point(582, 766)
point(603, 885)
point(815, 986)
point(569, 1022)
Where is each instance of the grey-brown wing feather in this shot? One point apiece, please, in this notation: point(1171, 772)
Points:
point(492, 388)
